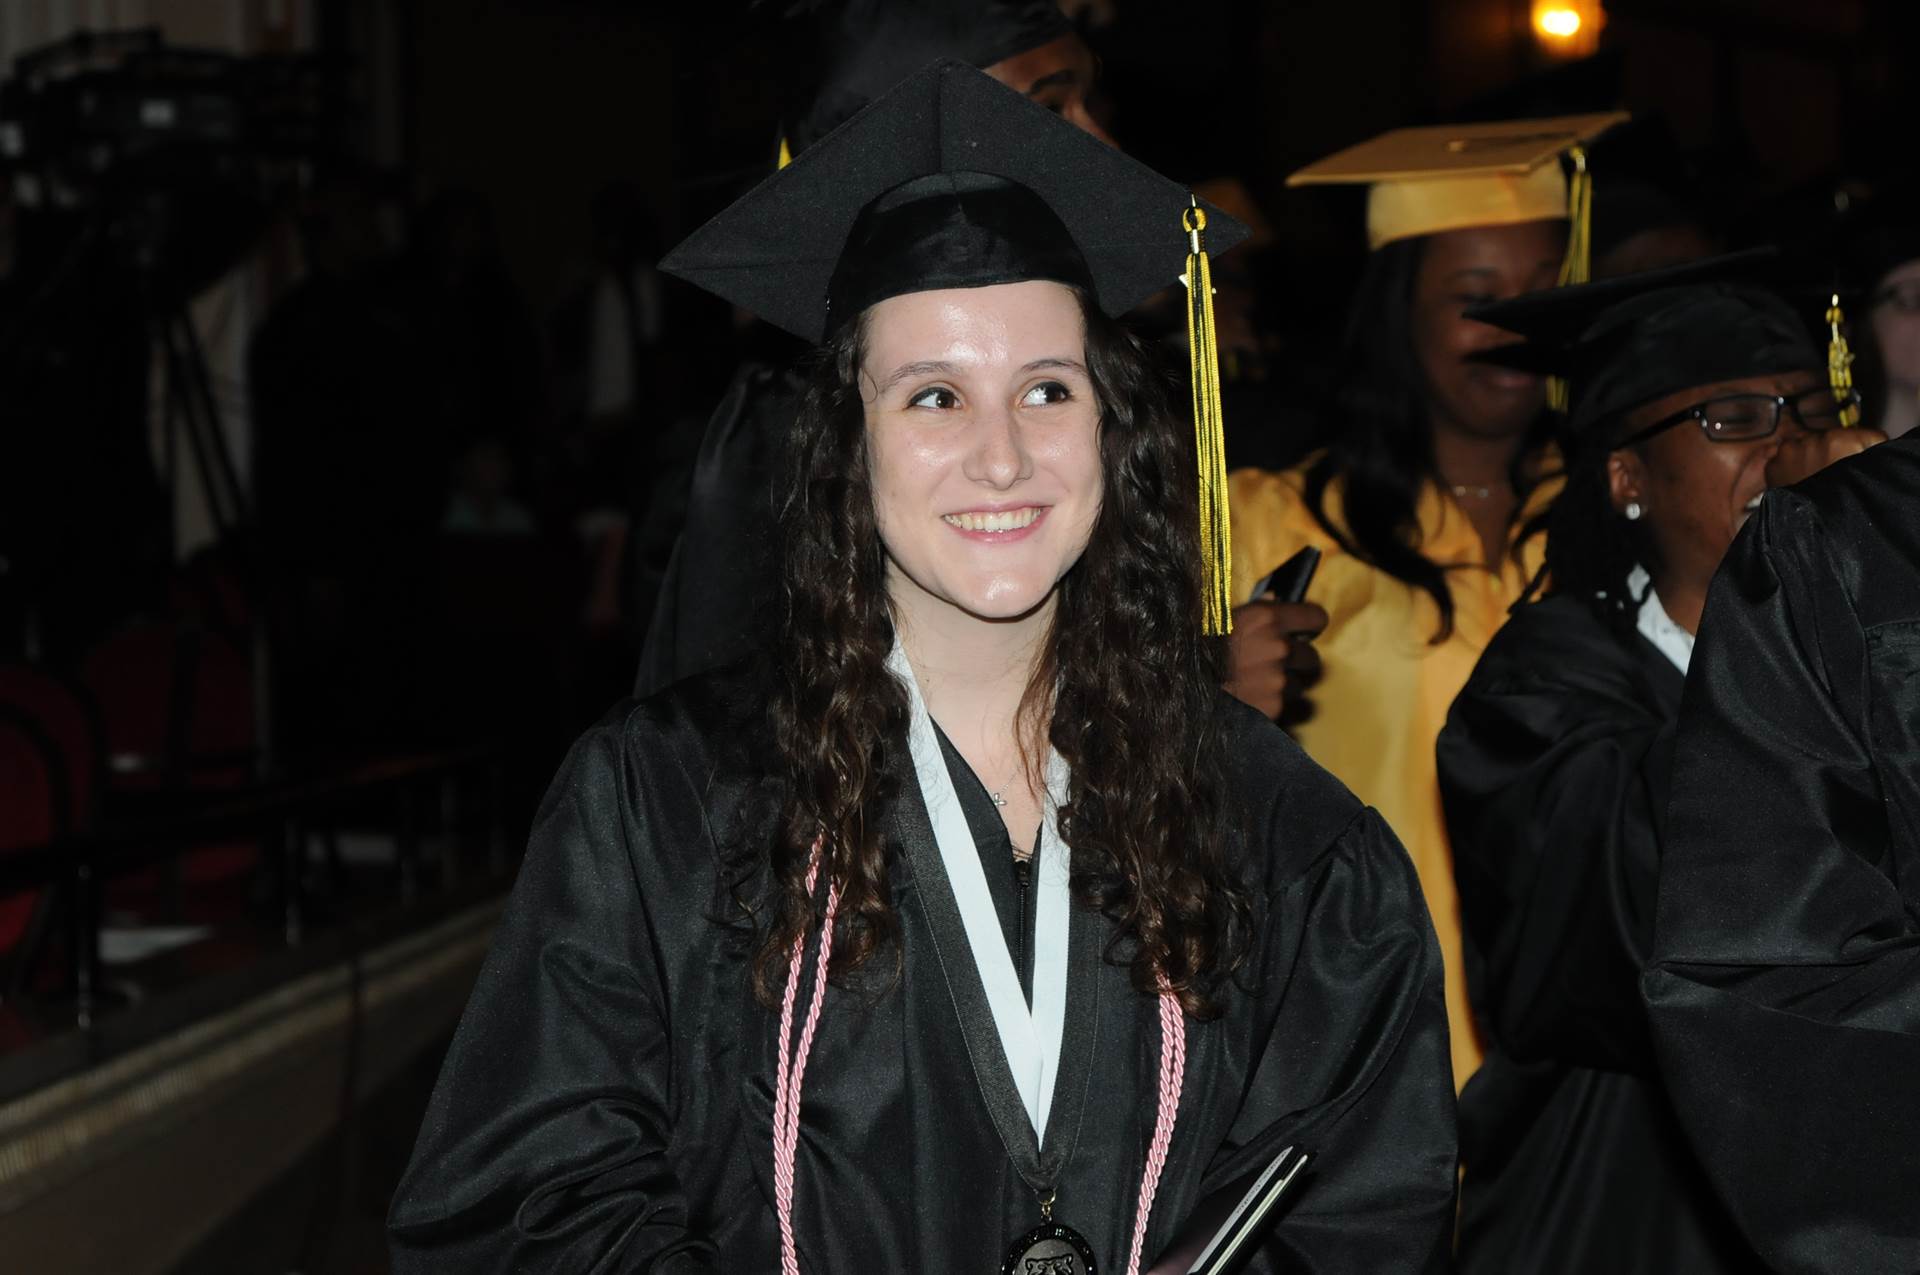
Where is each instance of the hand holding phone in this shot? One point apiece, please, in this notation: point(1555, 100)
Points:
point(1271, 650)
point(1288, 582)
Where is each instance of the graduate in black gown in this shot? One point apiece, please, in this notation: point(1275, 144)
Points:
point(717, 586)
point(970, 916)
point(1692, 392)
point(1784, 990)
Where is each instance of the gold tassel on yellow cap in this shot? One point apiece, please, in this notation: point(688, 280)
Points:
point(1840, 365)
point(1209, 432)
point(1578, 266)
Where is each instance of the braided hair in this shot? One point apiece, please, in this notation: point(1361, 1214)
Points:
point(1591, 547)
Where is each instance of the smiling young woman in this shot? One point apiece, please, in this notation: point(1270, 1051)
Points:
point(970, 926)
point(717, 591)
point(986, 459)
point(985, 465)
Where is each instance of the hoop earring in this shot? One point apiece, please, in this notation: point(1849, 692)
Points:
point(1633, 511)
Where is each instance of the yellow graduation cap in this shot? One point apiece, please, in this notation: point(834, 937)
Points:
point(1422, 181)
point(1452, 176)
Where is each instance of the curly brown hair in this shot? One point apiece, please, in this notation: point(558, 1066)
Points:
point(1127, 684)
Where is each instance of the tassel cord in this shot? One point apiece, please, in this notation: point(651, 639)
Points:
point(1840, 365)
point(1209, 430)
point(1577, 266)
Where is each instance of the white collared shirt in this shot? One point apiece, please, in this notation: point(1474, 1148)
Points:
point(1657, 626)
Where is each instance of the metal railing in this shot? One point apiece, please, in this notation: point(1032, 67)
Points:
point(280, 816)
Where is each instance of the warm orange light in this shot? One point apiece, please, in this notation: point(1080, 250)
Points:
point(1568, 28)
point(1561, 24)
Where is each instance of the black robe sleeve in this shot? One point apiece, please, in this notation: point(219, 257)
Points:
point(1785, 988)
point(1355, 1067)
point(1554, 765)
point(1347, 1053)
point(546, 1145)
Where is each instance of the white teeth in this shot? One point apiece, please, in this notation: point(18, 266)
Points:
point(1000, 520)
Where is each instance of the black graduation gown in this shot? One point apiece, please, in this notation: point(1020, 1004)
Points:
point(606, 1104)
point(721, 575)
point(1784, 991)
point(1554, 768)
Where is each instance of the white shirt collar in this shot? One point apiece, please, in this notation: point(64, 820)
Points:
point(1657, 626)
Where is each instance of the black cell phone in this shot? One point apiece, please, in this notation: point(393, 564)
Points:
point(1288, 582)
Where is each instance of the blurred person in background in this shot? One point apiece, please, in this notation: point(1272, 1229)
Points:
point(628, 311)
point(611, 460)
point(1893, 320)
point(1433, 476)
point(615, 380)
point(481, 502)
point(1693, 394)
point(1885, 252)
point(478, 348)
point(349, 481)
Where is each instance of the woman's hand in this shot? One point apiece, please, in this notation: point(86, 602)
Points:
point(1271, 647)
point(1805, 455)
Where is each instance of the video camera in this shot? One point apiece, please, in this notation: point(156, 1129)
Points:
point(174, 154)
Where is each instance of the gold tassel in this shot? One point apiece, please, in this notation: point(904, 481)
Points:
point(786, 154)
point(1840, 364)
point(1209, 432)
point(1578, 265)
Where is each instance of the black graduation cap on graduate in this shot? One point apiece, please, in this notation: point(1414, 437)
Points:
point(1628, 340)
point(950, 179)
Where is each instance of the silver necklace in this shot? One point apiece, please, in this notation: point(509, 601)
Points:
point(1022, 857)
point(1461, 491)
point(999, 794)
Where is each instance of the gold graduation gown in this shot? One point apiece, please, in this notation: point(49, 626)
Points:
point(1386, 687)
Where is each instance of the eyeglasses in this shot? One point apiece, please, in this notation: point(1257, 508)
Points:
point(1741, 418)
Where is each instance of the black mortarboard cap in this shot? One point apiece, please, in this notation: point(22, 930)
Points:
point(950, 179)
point(1629, 340)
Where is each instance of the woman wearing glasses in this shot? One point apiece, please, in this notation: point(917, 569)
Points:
point(1692, 395)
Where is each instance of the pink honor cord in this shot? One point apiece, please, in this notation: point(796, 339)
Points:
point(1173, 1070)
point(793, 1069)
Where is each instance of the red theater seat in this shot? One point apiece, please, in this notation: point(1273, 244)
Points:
point(59, 708)
point(30, 801)
point(177, 705)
